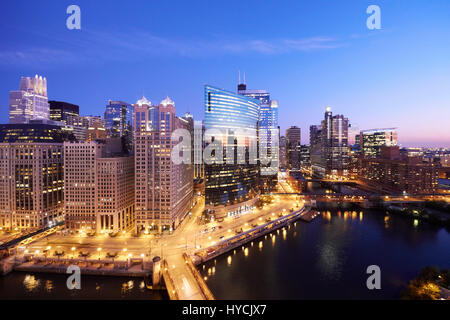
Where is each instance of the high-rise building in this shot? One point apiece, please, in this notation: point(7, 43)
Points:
point(119, 122)
point(31, 176)
point(232, 185)
point(335, 145)
point(371, 141)
point(99, 187)
point(30, 102)
point(164, 189)
point(293, 143)
point(305, 157)
point(62, 111)
point(283, 153)
point(267, 130)
point(315, 147)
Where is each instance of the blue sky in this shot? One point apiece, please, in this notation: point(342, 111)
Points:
point(308, 54)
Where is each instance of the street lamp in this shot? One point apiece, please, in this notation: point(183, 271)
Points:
point(98, 250)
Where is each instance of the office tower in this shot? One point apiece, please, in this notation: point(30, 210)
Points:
point(267, 130)
point(199, 145)
point(396, 173)
point(30, 101)
point(283, 153)
point(315, 147)
point(305, 157)
point(335, 145)
point(232, 179)
point(61, 111)
point(119, 122)
point(293, 143)
point(371, 141)
point(31, 176)
point(164, 189)
point(99, 187)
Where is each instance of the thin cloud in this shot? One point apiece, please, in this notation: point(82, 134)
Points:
point(95, 46)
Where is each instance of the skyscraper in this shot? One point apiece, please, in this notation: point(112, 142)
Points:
point(164, 189)
point(119, 122)
point(30, 102)
point(231, 185)
point(267, 130)
point(334, 144)
point(31, 176)
point(293, 144)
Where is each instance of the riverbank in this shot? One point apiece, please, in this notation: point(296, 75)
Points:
point(227, 245)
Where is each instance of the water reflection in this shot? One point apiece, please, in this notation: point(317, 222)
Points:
point(329, 257)
point(31, 283)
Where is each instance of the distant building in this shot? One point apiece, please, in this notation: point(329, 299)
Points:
point(164, 189)
point(395, 173)
point(283, 153)
point(267, 129)
point(305, 158)
point(30, 102)
point(31, 182)
point(34, 132)
point(119, 122)
point(99, 187)
point(61, 111)
point(95, 126)
point(331, 160)
point(371, 141)
point(293, 144)
point(231, 188)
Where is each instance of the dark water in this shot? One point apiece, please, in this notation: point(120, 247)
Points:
point(328, 258)
point(21, 285)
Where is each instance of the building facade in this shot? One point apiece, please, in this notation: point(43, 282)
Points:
point(267, 130)
point(293, 144)
point(99, 188)
point(232, 186)
point(62, 111)
point(30, 102)
point(31, 184)
point(396, 174)
point(334, 143)
point(371, 141)
point(164, 189)
point(119, 122)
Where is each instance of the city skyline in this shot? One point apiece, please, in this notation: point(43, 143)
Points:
point(348, 68)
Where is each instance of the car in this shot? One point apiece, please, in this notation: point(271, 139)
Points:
point(220, 227)
point(222, 237)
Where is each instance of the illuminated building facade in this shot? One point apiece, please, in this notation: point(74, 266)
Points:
point(164, 190)
point(293, 143)
point(334, 140)
point(99, 188)
point(371, 141)
point(231, 187)
point(31, 184)
point(394, 173)
point(119, 122)
point(30, 102)
point(62, 111)
point(267, 130)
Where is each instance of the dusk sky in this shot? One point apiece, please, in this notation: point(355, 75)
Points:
point(307, 54)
